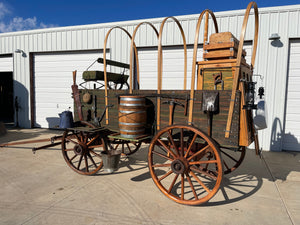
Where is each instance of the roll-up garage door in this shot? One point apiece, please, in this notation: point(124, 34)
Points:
point(291, 138)
point(53, 80)
point(6, 63)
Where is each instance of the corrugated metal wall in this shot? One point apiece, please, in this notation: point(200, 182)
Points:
point(271, 61)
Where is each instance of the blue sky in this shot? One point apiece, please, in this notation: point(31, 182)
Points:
point(18, 15)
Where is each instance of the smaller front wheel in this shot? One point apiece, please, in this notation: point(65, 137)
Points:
point(82, 151)
point(185, 164)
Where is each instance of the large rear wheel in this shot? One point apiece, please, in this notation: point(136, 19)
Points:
point(185, 164)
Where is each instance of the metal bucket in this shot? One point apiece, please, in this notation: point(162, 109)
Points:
point(111, 160)
point(132, 116)
point(66, 119)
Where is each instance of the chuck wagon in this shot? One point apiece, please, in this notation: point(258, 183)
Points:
point(195, 135)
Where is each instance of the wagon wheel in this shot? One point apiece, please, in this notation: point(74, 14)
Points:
point(82, 150)
point(185, 164)
point(232, 159)
point(127, 147)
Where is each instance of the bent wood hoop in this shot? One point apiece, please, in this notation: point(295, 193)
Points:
point(205, 12)
point(132, 116)
point(160, 63)
point(239, 59)
point(104, 64)
point(136, 59)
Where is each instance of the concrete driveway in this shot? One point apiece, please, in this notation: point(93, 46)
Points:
point(42, 189)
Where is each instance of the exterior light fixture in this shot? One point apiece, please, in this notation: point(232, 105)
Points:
point(19, 51)
point(274, 36)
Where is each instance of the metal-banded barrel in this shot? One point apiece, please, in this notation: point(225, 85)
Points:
point(132, 116)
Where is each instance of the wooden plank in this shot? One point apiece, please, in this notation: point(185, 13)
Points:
point(223, 53)
point(224, 62)
point(213, 46)
point(220, 54)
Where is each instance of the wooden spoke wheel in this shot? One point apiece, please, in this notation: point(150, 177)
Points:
point(185, 164)
point(82, 150)
point(127, 147)
point(232, 159)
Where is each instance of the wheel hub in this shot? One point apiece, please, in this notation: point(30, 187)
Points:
point(179, 166)
point(79, 149)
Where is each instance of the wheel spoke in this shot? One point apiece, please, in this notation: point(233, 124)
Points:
point(68, 149)
point(192, 186)
point(227, 167)
point(95, 146)
point(182, 186)
point(203, 162)
point(199, 152)
point(86, 163)
point(166, 175)
point(200, 182)
point(229, 156)
point(96, 154)
point(93, 139)
point(173, 182)
point(69, 139)
point(79, 163)
point(76, 136)
point(116, 147)
point(181, 142)
point(191, 144)
point(172, 142)
point(85, 139)
point(169, 150)
point(162, 165)
point(128, 147)
point(161, 155)
point(91, 158)
point(203, 172)
point(70, 160)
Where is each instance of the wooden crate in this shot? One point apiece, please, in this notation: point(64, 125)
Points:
point(221, 46)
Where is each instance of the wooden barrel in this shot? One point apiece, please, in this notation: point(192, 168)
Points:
point(132, 116)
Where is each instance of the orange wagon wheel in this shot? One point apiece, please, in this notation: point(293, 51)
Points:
point(185, 164)
point(82, 150)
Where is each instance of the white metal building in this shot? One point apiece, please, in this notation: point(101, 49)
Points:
point(41, 62)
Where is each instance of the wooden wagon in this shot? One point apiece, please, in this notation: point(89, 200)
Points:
point(195, 135)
